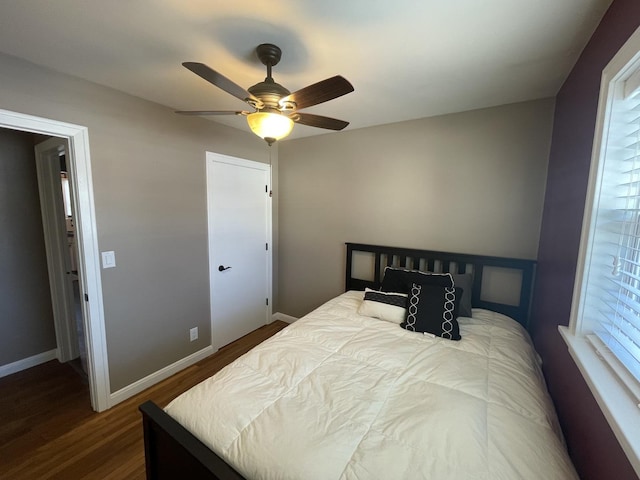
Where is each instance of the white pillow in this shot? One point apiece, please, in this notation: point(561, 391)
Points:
point(388, 306)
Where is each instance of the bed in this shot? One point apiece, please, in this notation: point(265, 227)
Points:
point(341, 394)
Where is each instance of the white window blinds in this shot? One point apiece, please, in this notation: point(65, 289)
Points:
point(613, 289)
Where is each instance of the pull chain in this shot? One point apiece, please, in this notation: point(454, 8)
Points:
point(270, 174)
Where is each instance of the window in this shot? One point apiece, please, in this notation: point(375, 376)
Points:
point(66, 194)
point(604, 332)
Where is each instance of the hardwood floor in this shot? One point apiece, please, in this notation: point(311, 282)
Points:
point(48, 430)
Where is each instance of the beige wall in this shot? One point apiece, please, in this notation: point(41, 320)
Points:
point(471, 182)
point(150, 196)
point(26, 316)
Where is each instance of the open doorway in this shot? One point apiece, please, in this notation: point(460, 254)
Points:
point(40, 303)
point(55, 185)
point(85, 231)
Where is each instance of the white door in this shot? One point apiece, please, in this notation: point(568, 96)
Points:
point(239, 208)
point(58, 255)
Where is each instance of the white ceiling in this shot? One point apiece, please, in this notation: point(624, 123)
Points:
point(407, 59)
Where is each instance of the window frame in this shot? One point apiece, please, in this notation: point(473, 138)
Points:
point(602, 372)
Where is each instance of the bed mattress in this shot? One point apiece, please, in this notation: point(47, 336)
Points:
point(337, 395)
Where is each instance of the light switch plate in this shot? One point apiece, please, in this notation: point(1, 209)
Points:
point(108, 259)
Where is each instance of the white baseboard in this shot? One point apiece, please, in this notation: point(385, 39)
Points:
point(29, 362)
point(284, 317)
point(150, 380)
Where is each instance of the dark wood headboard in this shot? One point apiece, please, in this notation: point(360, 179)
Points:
point(447, 262)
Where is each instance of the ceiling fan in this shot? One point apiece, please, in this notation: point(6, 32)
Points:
point(276, 109)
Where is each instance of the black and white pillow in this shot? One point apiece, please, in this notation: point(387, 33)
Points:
point(400, 280)
point(388, 306)
point(433, 308)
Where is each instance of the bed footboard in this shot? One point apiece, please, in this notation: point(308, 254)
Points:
point(172, 452)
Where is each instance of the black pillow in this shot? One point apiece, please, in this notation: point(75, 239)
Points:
point(433, 308)
point(400, 280)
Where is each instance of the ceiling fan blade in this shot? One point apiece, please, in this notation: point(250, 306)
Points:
point(212, 112)
point(318, 121)
point(320, 92)
point(220, 81)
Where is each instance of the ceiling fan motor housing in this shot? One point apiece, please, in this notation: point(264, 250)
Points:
point(269, 92)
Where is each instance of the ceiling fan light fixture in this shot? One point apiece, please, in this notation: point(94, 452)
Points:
point(270, 126)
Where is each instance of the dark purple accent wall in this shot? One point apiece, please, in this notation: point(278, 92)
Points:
point(594, 449)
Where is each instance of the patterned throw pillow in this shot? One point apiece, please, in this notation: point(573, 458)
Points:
point(432, 308)
point(400, 280)
point(388, 306)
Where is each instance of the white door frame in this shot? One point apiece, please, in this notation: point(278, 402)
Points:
point(212, 157)
point(55, 241)
point(79, 163)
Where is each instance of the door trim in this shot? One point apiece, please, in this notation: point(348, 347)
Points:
point(79, 162)
point(211, 158)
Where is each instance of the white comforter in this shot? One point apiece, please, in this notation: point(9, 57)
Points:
point(340, 396)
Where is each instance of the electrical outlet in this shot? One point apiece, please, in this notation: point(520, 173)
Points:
point(193, 334)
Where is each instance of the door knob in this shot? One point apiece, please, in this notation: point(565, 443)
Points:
point(222, 268)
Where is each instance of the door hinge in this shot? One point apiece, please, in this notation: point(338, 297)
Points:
point(267, 301)
point(86, 297)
